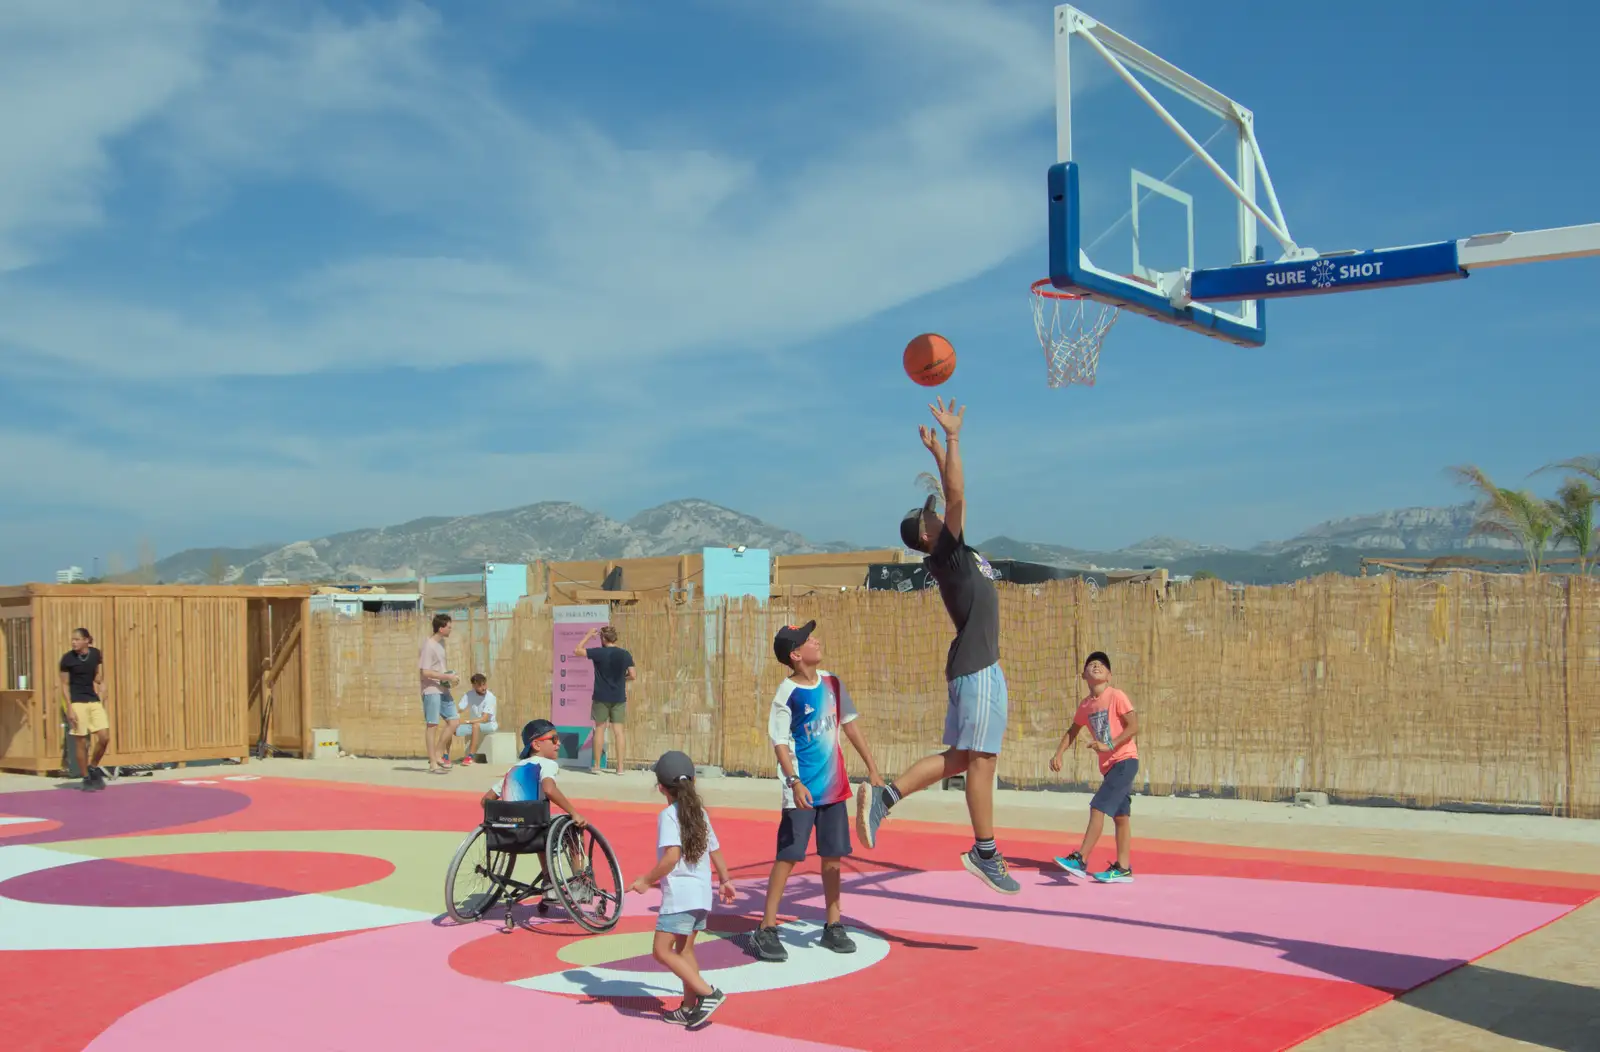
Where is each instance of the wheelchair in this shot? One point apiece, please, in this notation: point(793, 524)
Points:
point(576, 866)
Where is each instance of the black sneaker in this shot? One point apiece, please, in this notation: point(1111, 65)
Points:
point(835, 938)
point(680, 1016)
point(700, 1015)
point(767, 945)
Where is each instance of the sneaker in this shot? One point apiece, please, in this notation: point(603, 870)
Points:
point(88, 784)
point(1114, 874)
point(872, 807)
point(767, 945)
point(992, 871)
point(700, 1015)
point(680, 1016)
point(1073, 864)
point(835, 938)
point(467, 760)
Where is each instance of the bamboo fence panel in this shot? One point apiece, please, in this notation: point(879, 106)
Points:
point(1462, 689)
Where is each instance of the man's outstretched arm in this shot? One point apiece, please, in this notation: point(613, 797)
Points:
point(948, 456)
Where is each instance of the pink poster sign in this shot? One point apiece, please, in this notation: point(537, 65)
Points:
point(572, 681)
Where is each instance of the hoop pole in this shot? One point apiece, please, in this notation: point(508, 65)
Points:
point(1530, 246)
point(1199, 151)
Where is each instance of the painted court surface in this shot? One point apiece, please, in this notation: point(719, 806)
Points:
point(263, 913)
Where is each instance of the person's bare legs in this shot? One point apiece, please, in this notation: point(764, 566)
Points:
point(597, 748)
point(1124, 828)
point(1091, 834)
point(775, 884)
point(476, 740)
point(80, 745)
point(430, 745)
point(619, 744)
point(676, 954)
point(980, 794)
point(447, 737)
point(832, 870)
point(871, 808)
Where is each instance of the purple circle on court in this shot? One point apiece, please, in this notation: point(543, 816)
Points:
point(120, 810)
point(111, 882)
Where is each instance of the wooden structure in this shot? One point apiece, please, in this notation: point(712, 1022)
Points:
point(192, 673)
point(677, 577)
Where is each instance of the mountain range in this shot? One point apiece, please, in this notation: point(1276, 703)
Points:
point(554, 530)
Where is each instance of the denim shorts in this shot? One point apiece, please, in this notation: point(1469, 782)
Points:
point(437, 707)
point(682, 923)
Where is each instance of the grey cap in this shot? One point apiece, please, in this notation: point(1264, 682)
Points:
point(674, 767)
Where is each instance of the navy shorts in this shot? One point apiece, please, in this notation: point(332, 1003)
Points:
point(832, 825)
point(1115, 795)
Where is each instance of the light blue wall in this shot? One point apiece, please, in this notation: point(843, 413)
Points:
point(731, 573)
point(504, 584)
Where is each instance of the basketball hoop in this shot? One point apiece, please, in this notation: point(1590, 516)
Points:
point(1069, 335)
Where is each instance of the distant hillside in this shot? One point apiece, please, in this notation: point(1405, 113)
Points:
point(555, 530)
point(550, 530)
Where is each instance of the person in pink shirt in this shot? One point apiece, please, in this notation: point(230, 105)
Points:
point(1112, 724)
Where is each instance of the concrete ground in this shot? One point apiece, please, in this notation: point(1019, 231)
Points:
point(1541, 991)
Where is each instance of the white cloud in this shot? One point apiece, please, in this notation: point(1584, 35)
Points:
point(552, 238)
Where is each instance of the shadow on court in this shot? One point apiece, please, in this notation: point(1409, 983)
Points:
point(1544, 1012)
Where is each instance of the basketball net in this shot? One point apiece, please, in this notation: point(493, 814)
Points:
point(1070, 332)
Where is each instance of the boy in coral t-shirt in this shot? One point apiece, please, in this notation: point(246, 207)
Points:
point(1112, 724)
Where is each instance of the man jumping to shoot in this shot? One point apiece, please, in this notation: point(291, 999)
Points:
point(975, 721)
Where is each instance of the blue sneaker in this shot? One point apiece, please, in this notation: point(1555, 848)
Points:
point(1073, 864)
point(992, 871)
point(871, 810)
point(1114, 874)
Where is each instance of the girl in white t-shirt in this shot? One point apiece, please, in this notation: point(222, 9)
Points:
point(685, 844)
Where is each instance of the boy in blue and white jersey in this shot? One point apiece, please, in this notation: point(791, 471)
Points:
point(809, 711)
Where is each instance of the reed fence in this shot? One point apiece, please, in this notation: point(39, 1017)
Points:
point(1469, 689)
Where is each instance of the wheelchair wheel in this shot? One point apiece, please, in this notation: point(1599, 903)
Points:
point(584, 874)
point(476, 878)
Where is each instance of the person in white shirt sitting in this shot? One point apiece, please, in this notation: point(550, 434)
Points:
point(480, 719)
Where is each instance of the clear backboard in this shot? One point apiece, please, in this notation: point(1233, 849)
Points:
point(1161, 203)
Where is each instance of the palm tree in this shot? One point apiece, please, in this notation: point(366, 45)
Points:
point(928, 483)
point(1573, 515)
point(1589, 466)
point(1512, 513)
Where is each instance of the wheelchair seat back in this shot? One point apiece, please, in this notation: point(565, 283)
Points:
point(517, 826)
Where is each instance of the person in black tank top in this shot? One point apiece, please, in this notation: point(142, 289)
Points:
point(975, 717)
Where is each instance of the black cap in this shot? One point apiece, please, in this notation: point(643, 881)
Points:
point(1100, 656)
point(911, 525)
point(790, 638)
point(531, 730)
point(674, 767)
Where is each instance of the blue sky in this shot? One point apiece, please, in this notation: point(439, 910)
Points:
point(273, 270)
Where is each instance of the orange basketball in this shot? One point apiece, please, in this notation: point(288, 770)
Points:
point(929, 359)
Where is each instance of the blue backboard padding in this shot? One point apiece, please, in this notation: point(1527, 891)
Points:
point(1066, 274)
point(1373, 268)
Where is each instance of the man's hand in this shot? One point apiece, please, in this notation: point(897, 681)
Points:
point(728, 892)
point(577, 819)
point(72, 719)
point(930, 438)
point(949, 417)
point(802, 795)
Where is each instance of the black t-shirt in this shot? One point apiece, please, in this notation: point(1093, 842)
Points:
point(611, 665)
point(80, 670)
point(974, 605)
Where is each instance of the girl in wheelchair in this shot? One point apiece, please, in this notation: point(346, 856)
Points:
point(685, 841)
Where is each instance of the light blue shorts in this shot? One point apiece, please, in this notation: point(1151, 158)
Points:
point(465, 731)
point(436, 707)
point(975, 719)
point(682, 923)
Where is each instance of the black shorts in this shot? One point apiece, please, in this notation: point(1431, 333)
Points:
point(1115, 795)
point(832, 823)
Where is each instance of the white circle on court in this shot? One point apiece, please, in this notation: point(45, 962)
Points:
point(808, 963)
